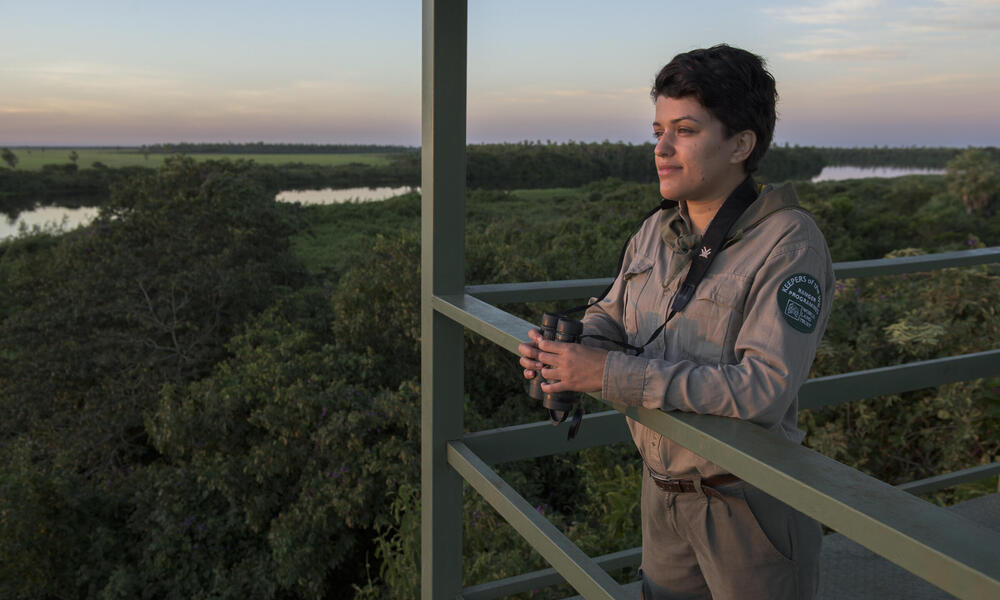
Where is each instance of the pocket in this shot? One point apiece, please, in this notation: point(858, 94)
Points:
point(636, 277)
point(711, 318)
point(770, 521)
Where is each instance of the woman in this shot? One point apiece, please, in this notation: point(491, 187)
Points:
point(731, 284)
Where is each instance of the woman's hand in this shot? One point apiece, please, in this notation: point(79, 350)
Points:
point(577, 368)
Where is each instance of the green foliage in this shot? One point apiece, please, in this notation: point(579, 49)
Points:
point(9, 157)
point(974, 176)
point(149, 293)
point(884, 156)
point(186, 412)
point(285, 461)
point(57, 528)
point(783, 163)
point(892, 320)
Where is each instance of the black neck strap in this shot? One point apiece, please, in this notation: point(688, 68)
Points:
point(712, 242)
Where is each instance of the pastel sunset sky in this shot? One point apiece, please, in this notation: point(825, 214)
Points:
point(849, 72)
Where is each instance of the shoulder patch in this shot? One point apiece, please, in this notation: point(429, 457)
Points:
point(800, 299)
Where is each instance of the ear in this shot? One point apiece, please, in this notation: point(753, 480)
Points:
point(746, 140)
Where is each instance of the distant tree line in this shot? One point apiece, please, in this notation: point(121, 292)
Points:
point(884, 156)
point(523, 165)
point(271, 148)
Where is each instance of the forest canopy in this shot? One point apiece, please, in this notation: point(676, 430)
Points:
point(206, 393)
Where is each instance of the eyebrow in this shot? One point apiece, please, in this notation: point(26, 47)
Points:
point(678, 119)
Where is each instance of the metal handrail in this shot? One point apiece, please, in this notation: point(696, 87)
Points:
point(860, 513)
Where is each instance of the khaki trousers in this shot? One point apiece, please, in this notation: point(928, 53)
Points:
point(745, 545)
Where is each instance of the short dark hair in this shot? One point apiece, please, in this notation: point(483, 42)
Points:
point(731, 83)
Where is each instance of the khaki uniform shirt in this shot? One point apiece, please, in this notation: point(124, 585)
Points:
point(743, 345)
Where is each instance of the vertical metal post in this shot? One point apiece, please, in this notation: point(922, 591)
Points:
point(442, 262)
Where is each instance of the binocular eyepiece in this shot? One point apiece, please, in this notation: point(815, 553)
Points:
point(561, 329)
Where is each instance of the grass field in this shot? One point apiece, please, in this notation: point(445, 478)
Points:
point(32, 159)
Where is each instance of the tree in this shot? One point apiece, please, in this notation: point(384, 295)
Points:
point(73, 156)
point(975, 178)
point(9, 157)
point(148, 294)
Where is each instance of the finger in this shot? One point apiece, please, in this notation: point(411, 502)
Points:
point(528, 350)
point(535, 334)
point(552, 346)
point(529, 374)
point(548, 358)
point(552, 388)
point(528, 363)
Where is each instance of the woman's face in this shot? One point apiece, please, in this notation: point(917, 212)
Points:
point(694, 159)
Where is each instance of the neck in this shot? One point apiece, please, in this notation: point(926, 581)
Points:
point(702, 212)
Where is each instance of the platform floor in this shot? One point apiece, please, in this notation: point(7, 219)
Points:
point(852, 572)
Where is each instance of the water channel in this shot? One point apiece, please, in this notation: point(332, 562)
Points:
point(71, 218)
point(840, 173)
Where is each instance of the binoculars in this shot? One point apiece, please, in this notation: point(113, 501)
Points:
point(561, 329)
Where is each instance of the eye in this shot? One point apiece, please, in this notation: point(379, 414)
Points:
point(657, 134)
point(685, 130)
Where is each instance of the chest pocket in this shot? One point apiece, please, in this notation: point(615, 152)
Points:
point(638, 294)
point(706, 329)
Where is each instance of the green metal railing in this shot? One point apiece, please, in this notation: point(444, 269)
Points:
point(936, 544)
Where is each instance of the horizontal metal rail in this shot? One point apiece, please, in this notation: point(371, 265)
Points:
point(916, 264)
point(531, 440)
point(546, 577)
point(947, 480)
point(538, 291)
point(569, 289)
point(943, 548)
point(896, 379)
point(565, 557)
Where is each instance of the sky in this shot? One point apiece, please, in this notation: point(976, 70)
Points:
point(849, 72)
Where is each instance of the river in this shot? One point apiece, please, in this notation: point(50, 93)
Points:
point(71, 218)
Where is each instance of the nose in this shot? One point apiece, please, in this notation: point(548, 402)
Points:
point(663, 146)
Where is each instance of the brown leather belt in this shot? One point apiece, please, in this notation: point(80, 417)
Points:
point(686, 486)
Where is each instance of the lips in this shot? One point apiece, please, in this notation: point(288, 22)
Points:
point(667, 169)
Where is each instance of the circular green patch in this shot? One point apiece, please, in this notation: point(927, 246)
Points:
point(800, 300)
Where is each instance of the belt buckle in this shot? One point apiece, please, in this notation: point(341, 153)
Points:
point(667, 484)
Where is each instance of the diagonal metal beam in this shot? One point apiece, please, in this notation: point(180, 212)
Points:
point(565, 557)
point(546, 577)
point(935, 544)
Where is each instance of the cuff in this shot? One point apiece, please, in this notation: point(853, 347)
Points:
point(624, 379)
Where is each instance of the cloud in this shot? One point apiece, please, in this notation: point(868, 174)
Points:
point(81, 76)
point(828, 13)
point(952, 15)
point(845, 54)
